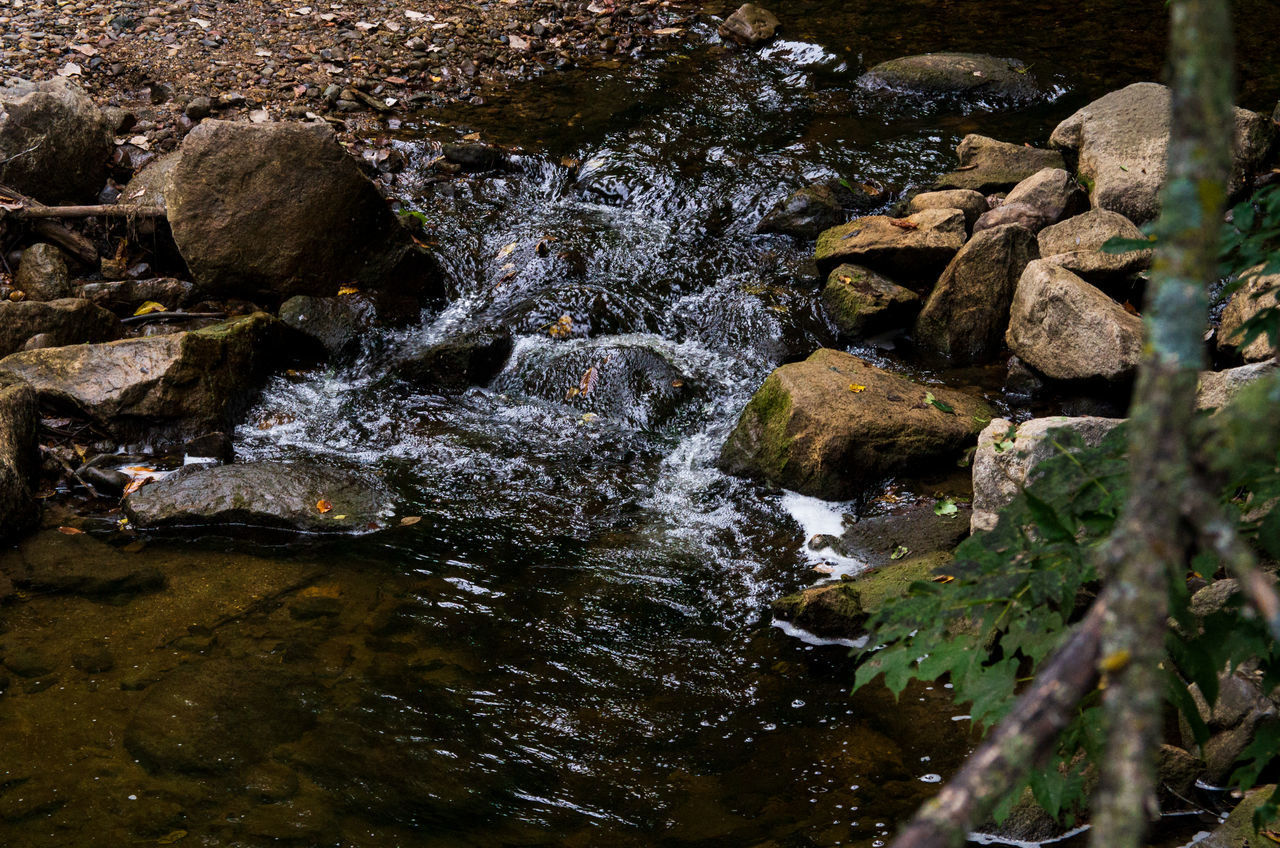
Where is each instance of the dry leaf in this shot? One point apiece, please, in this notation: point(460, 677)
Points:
point(149, 307)
point(71, 531)
point(904, 224)
point(561, 328)
point(346, 290)
point(323, 506)
point(410, 520)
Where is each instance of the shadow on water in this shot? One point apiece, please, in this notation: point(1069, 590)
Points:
point(573, 646)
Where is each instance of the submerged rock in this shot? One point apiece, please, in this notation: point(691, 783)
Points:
point(972, 75)
point(1121, 142)
point(471, 359)
point(68, 321)
point(750, 25)
point(863, 303)
point(834, 424)
point(914, 527)
point(910, 249)
point(808, 211)
point(296, 497)
point(332, 322)
point(1076, 244)
point(18, 457)
point(53, 563)
point(54, 142)
point(988, 166)
point(474, 155)
point(1259, 292)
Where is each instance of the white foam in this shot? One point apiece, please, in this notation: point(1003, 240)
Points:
point(811, 639)
point(817, 517)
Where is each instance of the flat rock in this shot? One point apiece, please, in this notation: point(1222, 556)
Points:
point(54, 142)
point(1075, 244)
point(908, 249)
point(750, 25)
point(808, 211)
point(974, 76)
point(863, 303)
point(834, 424)
point(1067, 329)
point(1259, 292)
point(18, 457)
point(302, 497)
point(68, 321)
point(972, 203)
point(989, 166)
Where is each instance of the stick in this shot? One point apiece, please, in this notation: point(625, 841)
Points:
point(98, 211)
point(170, 316)
point(71, 471)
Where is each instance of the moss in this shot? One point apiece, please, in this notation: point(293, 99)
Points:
point(760, 443)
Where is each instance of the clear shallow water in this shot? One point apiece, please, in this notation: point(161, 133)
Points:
point(573, 647)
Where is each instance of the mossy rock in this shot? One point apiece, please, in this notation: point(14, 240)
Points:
point(862, 302)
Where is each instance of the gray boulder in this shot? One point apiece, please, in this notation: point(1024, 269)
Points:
point(166, 388)
point(1075, 244)
point(1121, 141)
point(807, 211)
point(1217, 388)
point(332, 322)
point(69, 321)
point(967, 312)
point(470, 359)
point(1259, 292)
point(1008, 453)
point(55, 144)
point(972, 203)
point(988, 166)
point(1043, 198)
point(301, 497)
point(971, 75)
point(750, 25)
point(834, 424)
point(863, 303)
point(282, 210)
point(909, 249)
point(42, 273)
point(1068, 330)
point(18, 458)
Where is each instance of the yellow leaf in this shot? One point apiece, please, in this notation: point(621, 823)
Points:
point(323, 506)
point(149, 307)
point(345, 290)
point(856, 388)
point(943, 578)
point(1114, 661)
point(562, 327)
point(337, 517)
point(80, 450)
point(410, 520)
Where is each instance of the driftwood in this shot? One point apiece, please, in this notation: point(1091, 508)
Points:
point(101, 210)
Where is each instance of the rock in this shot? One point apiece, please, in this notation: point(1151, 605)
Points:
point(1068, 330)
point(1258, 292)
point(18, 458)
point(126, 295)
point(1217, 388)
point(988, 166)
point(834, 424)
point(968, 310)
point(808, 211)
point(1238, 831)
point(1213, 598)
point(634, 382)
point(218, 716)
point(1177, 770)
point(42, 274)
point(53, 563)
point(1234, 719)
point(863, 303)
point(841, 610)
point(169, 387)
point(876, 539)
point(147, 187)
point(1012, 214)
point(333, 322)
point(263, 495)
point(971, 75)
point(199, 108)
point(282, 210)
point(471, 359)
point(973, 204)
point(750, 25)
point(1041, 199)
point(908, 249)
point(55, 145)
point(475, 155)
point(1075, 244)
point(1121, 141)
point(65, 322)
point(1008, 453)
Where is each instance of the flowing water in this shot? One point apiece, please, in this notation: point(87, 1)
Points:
point(573, 646)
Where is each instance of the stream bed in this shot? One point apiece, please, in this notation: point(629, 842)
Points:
point(573, 646)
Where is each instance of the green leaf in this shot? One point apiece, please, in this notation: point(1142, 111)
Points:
point(946, 508)
point(933, 401)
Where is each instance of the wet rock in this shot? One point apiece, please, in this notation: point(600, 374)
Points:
point(28, 661)
point(863, 303)
point(18, 457)
point(54, 142)
point(1259, 292)
point(1008, 453)
point(1238, 830)
point(307, 817)
point(271, 782)
point(1075, 244)
point(64, 322)
point(915, 527)
point(470, 359)
point(165, 388)
point(841, 610)
point(834, 424)
point(907, 249)
point(334, 323)
point(968, 310)
point(971, 75)
point(53, 563)
point(42, 274)
point(988, 166)
point(282, 210)
point(633, 382)
point(299, 497)
point(750, 25)
point(475, 155)
point(1068, 330)
point(1217, 388)
point(1121, 141)
point(218, 716)
point(973, 204)
point(808, 211)
point(125, 296)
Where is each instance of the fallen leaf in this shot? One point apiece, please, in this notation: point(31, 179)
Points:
point(346, 290)
point(71, 69)
point(825, 568)
point(588, 381)
point(943, 578)
point(507, 250)
point(85, 49)
point(134, 547)
point(515, 42)
point(71, 531)
point(1114, 661)
point(149, 307)
point(323, 506)
point(171, 837)
point(857, 388)
point(934, 402)
point(677, 384)
point(338, 517)
point(135, 484)
point(562, 327)
point(410, 520)
point(946, 508)
point(414, 16)
point(201, 22)
point(259, 116)
point(899, 552)
point(668, 31)
point(904, 224)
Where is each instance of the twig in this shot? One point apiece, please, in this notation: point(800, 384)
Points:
point(33, 148)
point(170, 316)
point(67, 467)
point(102, 210)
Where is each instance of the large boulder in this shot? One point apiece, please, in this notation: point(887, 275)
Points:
point(972, 203)
point(1008, 453)
point(18, 459)
point(1259, 292)
point(1068, 330)
point(750, 25)
point(989, 166)
point(808, 211)
point(834, 424)
point(1043, 198)
point(968, 310)
point(55, 144)
point(166, 388)
point(1238, 830)
point(1076, 244)
point(275, 210)
point(303, 497)
point(970, 75)
point(909, 249)
point(64, 322)
point(1121, 142)
point(863, 303)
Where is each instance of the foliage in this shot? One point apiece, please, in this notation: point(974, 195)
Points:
point(1251, 248)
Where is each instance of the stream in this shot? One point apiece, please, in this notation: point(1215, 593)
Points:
point(573, 646)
